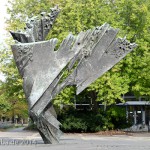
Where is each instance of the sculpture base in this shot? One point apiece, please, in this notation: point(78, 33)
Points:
point(48, 126)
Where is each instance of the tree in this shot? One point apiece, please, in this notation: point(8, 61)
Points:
point(133, 19)
point(12, 99)
point(136, 22)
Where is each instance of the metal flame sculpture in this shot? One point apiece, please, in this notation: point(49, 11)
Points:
point(94, 52)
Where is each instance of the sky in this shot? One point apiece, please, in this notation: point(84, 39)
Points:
point(3, 32)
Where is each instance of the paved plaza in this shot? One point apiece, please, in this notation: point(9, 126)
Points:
point(19, 139)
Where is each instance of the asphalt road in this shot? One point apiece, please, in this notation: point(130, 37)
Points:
point(25, 140)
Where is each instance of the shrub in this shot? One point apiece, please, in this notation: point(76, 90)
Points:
point(117, 116)
point(83, 121)
point(88, 121)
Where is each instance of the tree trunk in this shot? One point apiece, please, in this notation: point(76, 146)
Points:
point(94, 102)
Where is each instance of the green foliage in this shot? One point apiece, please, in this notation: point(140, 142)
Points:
point(12, 99)
point(88, 121)
point(82, 121)
point(4, 105)
point(111, 86)
point(74, 124)
point(117, 116)
point(65, 97)
point(131, 74)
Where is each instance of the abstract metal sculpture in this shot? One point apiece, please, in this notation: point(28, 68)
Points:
point(87, 56)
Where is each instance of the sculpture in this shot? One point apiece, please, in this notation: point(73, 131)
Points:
point(87, 57)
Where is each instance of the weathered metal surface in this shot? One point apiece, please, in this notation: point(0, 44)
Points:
point(94, 52)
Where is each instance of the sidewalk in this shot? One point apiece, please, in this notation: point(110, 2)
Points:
point(27, 140)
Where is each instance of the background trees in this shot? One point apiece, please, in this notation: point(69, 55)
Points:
point(131, 74)
point(12, 100)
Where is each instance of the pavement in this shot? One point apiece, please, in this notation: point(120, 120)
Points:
point(20, 139)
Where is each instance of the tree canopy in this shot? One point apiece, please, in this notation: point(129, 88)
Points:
point(132, 74)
